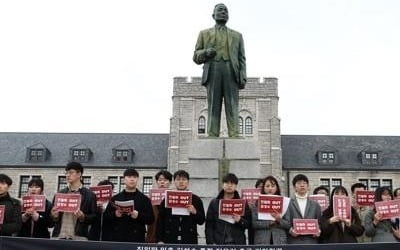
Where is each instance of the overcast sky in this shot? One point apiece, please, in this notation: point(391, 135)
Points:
point(108, 66)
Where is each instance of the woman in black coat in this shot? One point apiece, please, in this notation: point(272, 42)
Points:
point(36, 224)
point(336, 230)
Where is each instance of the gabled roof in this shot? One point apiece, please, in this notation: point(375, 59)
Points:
point(151, 150)
point(299, 151)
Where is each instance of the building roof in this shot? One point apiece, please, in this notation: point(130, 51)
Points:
point(300, 151)
point(151, 150)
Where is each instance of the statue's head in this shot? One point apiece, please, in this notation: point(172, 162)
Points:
point(220, 13)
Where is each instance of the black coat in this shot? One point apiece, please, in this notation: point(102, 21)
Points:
point(125, 228)
point(217, 230)
point(40, 227)
point(88, 207)
point(168, 225)
point(12, 216)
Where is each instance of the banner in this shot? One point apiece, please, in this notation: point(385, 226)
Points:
point(37, 202)
point(389, 209)
point(270, 203)
point(305, 226)
point(2, 210)
point(19, 243)
point(250, 194)
point(321, 199)
point(342, 206)
point(103, 193)
point(178, 199)
point(157, 195)
point(67, 202)
point(365, 198)
point(232, 207)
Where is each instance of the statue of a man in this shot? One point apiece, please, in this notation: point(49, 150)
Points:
point(224, 72)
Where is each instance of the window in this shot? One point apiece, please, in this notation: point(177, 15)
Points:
point(371, 158)
point(248, 126)
point(330, 183)
point(147, 184)
point(202, 125)
point(62, 183)
point(87, 181)
point(240, 126)
point(326, 157)
point(23, 183)
point(122, 155)
point(118, 182)
point(36, 155)
point(373, 184)
point(79, 154)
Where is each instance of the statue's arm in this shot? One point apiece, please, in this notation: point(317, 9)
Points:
point(199, 56)
point(242, 62)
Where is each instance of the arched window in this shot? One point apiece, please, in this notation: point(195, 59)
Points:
point(201, 129)
point(248, 126)
point(240, 125)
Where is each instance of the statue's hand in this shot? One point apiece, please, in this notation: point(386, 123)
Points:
point(241, 85)
point(210, 52)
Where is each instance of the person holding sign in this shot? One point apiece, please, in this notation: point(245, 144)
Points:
point(163, 180)
point(301, 207)
point(35, 223)
point(269, 232)
point(361, 210)
point(376, 226)
point(129, 211)
point(336, 229)
point(227, 228)
point(10, 209)
point(178, 228)
point(74, 225)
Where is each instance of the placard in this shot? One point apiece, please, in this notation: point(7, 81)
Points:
point(305, 226)
point(125, 207)
point(67, 202)
point(270, 203)
point(388, 209)
point(342, 207)
point(232, 207)
point(321, 199)
point(178, 199)
point(250, 194)
point(365, 198)
point(267, 216)
point(37, 202)
point(157, 195)
point(2, 211)
point(103, 193)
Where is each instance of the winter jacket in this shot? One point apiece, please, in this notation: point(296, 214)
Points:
point(12, 216)
point(40, 227)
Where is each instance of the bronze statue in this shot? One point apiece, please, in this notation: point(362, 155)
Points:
point(224, 72)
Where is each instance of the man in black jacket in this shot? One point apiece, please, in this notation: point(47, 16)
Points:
point(12, 209)
point(180, 229)
point(74, 226)
point(129, 226)
point(220, 231)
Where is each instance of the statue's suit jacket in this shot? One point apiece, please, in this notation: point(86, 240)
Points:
point(237, 57)
point(312, 211)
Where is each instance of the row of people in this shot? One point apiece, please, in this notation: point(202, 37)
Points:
point(98, 222)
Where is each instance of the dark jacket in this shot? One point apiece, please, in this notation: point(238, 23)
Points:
point(219, 231)
point(100, 230)
point(40, 227)
point(168, 225)
point(88, 207)
point(125, 228)
point(12, 216)
point(336, 233)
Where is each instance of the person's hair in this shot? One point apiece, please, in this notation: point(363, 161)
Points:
point(321, 188)
point(106, 182)
point(258, 182)
point(230, 178)
point(299, 177)
point(395, 192)
point(274, 181)
point(181, 173)
point(329, 210)
point(167, 175)
point(5, 179)
point(74, 166)
point(131, 172)
point(379, 191)
point(218, 4)
point(36, 182)
point(357, 185)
